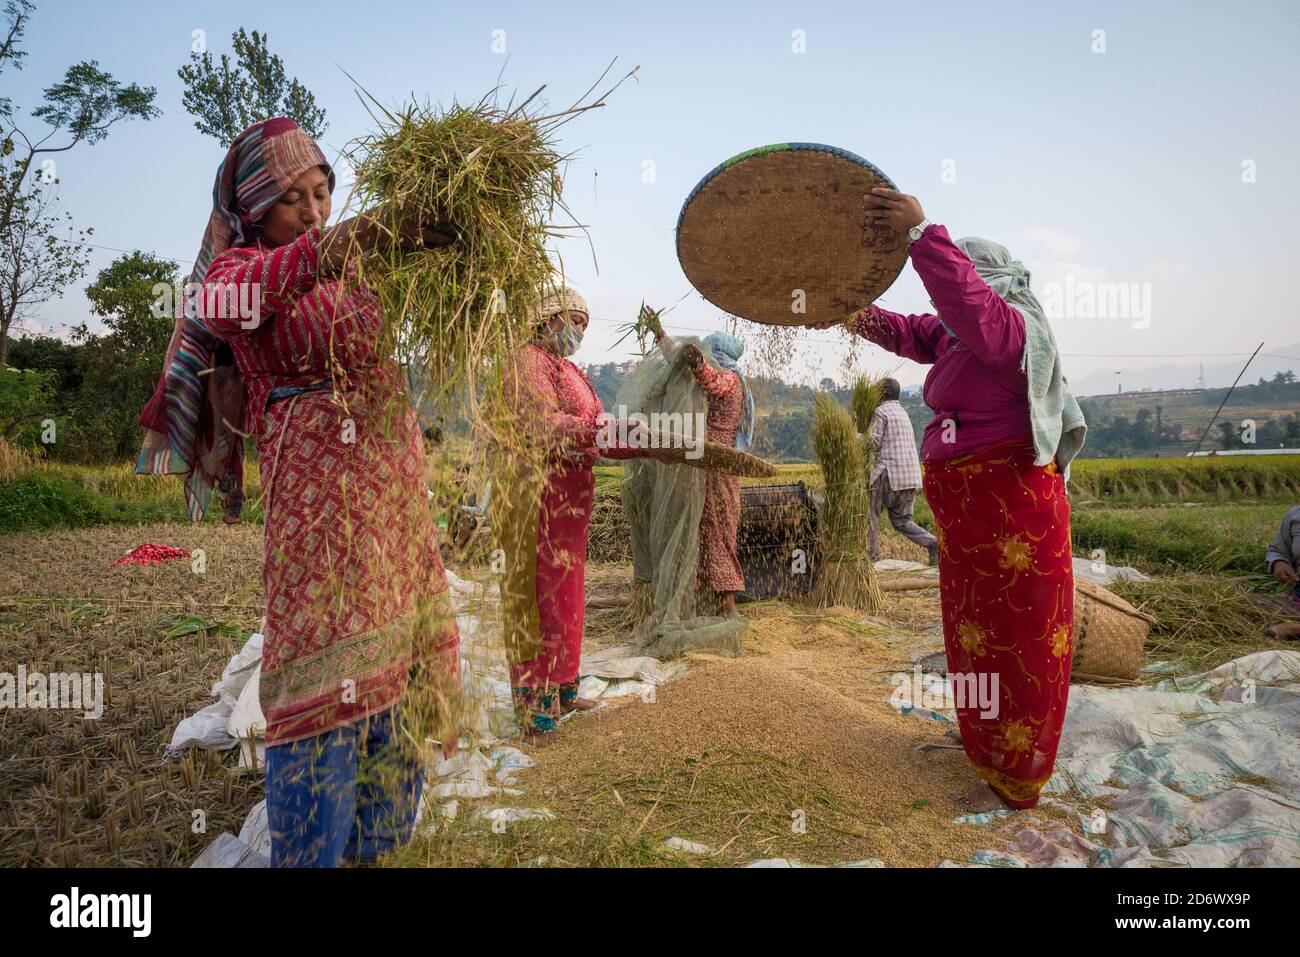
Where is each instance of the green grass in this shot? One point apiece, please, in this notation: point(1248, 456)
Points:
point(1274, 477)
point(1206, 538)
point(1134, 509)
point(57, 495)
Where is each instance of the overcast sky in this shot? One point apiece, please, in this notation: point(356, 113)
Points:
point(1152, 144)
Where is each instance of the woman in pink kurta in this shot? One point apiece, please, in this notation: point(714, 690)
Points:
point(1003, 432)
point(558, 394)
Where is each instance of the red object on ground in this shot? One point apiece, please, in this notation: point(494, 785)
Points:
point(151, 555)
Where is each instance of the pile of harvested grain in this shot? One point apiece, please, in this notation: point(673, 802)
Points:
point(745, 754)
point(844, 572)
point(608, 539)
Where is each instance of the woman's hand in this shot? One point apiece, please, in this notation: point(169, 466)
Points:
point(897, 210)
point(1284, 573)
point(650, 319)
point(422, 232)
point(365, 231)
point(694, 358)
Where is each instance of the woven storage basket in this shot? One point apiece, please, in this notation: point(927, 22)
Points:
point(1109, 634)
point(784, 219)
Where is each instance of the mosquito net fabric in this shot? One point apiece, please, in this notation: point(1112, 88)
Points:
point(663, 504)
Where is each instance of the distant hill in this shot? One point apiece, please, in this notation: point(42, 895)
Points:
point(1217, 374)
point(1143, 423)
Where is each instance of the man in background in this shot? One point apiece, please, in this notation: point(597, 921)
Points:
point(896, 474)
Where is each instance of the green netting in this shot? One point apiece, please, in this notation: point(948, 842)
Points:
point(663, 504)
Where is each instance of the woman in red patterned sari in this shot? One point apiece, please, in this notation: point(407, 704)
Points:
point(996, 456)
point(356, 597)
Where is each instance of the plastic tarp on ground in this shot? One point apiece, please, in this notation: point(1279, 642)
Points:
point(1201, 771)
point(485, 767)
point(663, 504)
point(210, 727)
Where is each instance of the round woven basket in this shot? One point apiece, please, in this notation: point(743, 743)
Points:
point(1109, 635)
point(775, 235)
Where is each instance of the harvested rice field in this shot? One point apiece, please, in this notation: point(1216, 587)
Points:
point(789, 751)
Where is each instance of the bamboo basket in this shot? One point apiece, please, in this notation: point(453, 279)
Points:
point(1109, 635)
point(783, 220)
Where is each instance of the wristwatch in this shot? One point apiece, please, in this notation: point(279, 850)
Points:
point(917, 231)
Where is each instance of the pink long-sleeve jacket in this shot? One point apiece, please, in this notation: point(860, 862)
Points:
point(978, 394)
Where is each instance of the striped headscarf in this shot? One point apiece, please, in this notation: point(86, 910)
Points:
point(192, 421)
point(727, 350)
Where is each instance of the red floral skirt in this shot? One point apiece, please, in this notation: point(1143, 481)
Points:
point(1007, 590)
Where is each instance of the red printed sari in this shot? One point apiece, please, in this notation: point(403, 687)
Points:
point(1007, 590)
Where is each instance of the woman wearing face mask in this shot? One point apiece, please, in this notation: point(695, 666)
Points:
point(996, 455)
point(356, 597)
point(563, 414)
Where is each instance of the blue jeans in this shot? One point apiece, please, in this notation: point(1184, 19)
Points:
point(347, 795)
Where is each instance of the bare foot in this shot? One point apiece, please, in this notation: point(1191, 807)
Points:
point(578, 704)
point(1284, 630)
point(979, 799)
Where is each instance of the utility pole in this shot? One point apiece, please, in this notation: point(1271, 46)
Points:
point(1225, 395)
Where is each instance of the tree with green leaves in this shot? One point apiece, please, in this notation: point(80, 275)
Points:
point(41, 254)
point(79, 109)
point(120, 366)
point(227, 97)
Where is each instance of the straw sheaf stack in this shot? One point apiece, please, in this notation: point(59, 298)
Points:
point(844, 572)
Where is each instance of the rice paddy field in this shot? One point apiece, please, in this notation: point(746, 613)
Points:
point(725, 757)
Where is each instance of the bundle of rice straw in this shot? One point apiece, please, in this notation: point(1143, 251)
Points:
point(489, 174)
point(844, 572)
point(867, 395)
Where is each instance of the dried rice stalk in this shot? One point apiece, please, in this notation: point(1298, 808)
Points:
point(844, 572)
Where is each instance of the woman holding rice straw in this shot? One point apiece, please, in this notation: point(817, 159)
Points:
point(997, 454)
point(545, 589)
point(356, 597)
point(730, 421)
